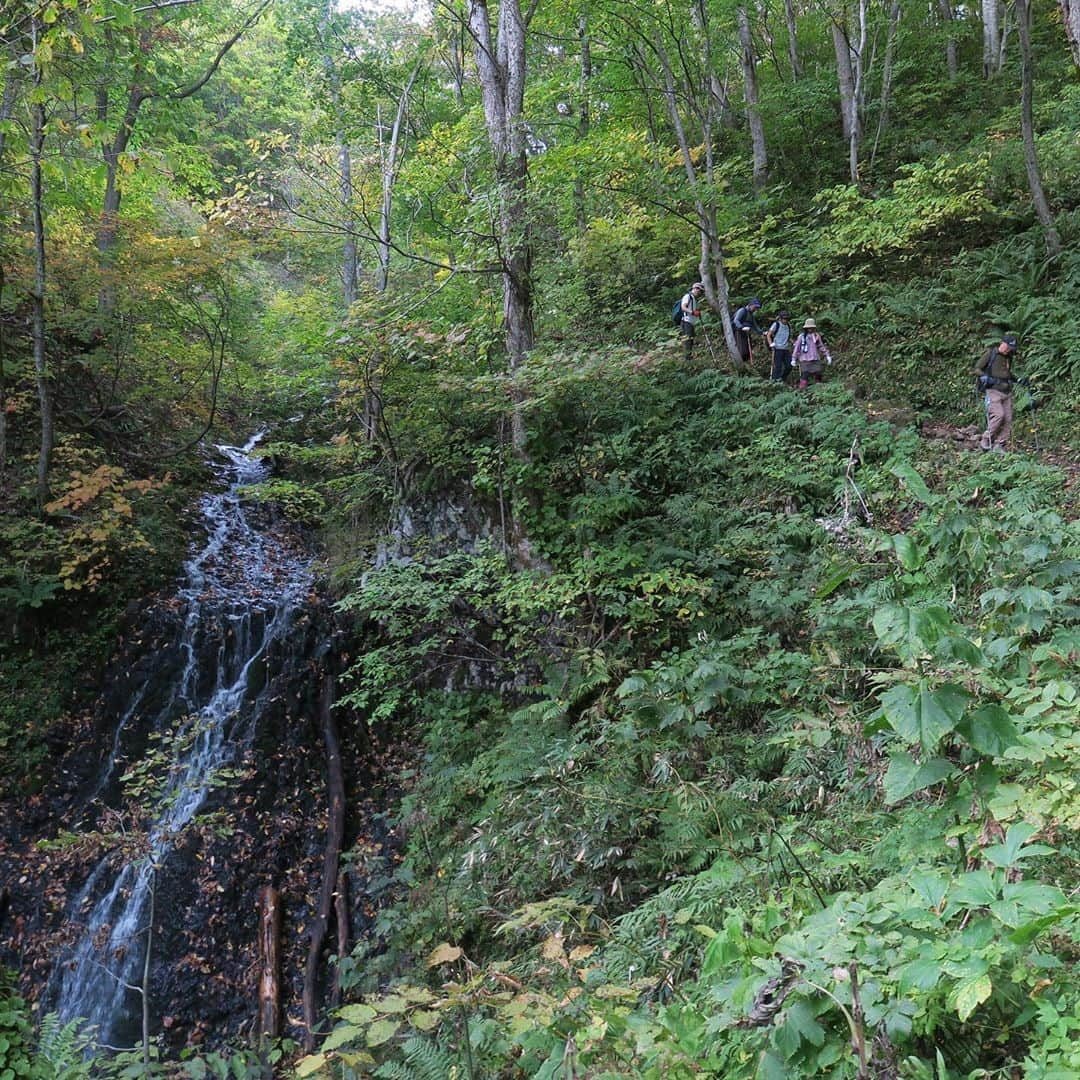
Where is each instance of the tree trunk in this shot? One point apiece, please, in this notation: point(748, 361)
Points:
point(992, 37)
point(7, 107)
point(111, 152)
point(584, 78)
point(350, 266)
point(390, 164)
point(501, 66)
point(886, 77)
point(748, 60)
point(341, 910)
point(792, 40)
point(858, 95)
point(269, 1022)
point(3, 378)
point(844, 77)
point(702, 189)
point(1070, 15)
point(335, 831)
point(1027, 127)
point(44, 387)
point(948, 18)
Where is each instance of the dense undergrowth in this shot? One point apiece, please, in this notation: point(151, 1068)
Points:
point(784, 699)
point(744, 720)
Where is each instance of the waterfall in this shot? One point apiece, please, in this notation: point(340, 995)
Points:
point(239, 598)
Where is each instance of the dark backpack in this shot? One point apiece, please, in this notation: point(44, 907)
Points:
point(676, 312)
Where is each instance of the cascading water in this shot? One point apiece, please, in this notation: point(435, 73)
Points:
point(240, 598)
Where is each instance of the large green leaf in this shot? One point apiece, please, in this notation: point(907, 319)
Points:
point(1013, 850)
point(919, 714)
point(905, 775)
point(989, 730)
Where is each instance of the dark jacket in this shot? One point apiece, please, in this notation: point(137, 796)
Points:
point(997, 367)
point(744, 320)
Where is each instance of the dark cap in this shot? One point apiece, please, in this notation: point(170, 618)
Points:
point(754, 303)
point(784, 315)
point(1010, 340)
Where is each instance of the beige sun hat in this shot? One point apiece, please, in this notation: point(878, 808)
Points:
point(809, 325)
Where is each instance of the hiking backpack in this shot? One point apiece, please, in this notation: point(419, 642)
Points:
point(676, 312)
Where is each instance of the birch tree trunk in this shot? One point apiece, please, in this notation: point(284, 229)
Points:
point(1070, 15)
point(993, 39)
point(7, 107)
point(858, 94)
point(845, 79)
point(44, 386)
point(391, 162)
point(1027, 127)
point(584, 117)
point(500, 61)
point(711, 261)
point(948, 18)
point(350, 262)
point(886, 76)
point(748, 61)
point(792, 40)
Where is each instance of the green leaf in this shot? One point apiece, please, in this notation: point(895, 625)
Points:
point(989, 730)
point(977, 889)
point(970, 994)
point(357, 1014)
point(346, 1033)
point(911, 556)
point(913, 482)
point(922, 974)
point(905, 775)
point(1009, 853)
point(424, 1020)
point(1031, 930)
point(925, 716)
point(382, 1031)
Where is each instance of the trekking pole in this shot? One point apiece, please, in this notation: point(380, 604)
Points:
point(1032, 408)
point(708, 342)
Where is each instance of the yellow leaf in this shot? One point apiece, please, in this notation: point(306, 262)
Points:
point(553, 948)
point(444, 954)
point(311, 1064)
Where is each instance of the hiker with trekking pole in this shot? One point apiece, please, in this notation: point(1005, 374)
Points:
point(996, 379)
point(744, 323)
point(687, 314)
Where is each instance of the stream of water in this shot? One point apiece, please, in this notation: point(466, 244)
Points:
point(239, 599)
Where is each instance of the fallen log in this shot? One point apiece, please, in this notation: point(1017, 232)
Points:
point(269, 964)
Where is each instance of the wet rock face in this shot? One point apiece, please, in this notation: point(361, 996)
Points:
point(196, 784)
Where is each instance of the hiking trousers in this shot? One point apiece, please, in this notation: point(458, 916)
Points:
point(781, 365)
point(999, 419)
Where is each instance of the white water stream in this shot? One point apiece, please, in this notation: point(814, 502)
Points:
point(240, 597)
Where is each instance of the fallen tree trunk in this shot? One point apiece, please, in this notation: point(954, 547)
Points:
point(335, 828)
point(269, 964)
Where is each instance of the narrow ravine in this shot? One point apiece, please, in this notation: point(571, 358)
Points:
point(241, 594)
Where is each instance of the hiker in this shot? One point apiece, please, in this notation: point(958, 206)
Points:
point(778, 338)
point(808, 351)
point(996, 378)
point(745, 324)
point(691, 316)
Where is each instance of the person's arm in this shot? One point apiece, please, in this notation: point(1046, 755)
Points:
point(824, 349)
point(981, 366)
point(738, 320)
point(769, 335)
